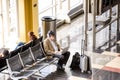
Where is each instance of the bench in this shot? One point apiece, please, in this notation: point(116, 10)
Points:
point(3, 65)
point(25, 47)
point(28, 62)
point(16, 69)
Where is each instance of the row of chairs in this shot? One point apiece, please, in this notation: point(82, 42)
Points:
point(25, 46)
point(3, 65)
point(28, 62)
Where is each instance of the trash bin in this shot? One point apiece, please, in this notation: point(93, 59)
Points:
point(48, 23)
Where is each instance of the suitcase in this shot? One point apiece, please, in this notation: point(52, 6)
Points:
point(84, 60)
point(83, 63)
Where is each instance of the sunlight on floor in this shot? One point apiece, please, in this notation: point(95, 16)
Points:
point(76, 78)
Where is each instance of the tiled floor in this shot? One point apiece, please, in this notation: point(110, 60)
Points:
point(105, 75)
point(106, 66)
point(68, 75)
point(73, 31)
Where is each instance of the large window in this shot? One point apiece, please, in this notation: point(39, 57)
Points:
point(56, 8)
point(8, 23)
point(45, 4)
point(1, 37)
point(74, 3)
point(45, 8)
point(1, 41)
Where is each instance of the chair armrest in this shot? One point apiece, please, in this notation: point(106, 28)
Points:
point(38, 59)
point(27, 65)
point(15, 72)
point(43, 58)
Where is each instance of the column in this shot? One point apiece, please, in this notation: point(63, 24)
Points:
point(93, 24)
point(28, 18)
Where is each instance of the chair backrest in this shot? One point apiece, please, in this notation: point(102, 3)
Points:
point(15, 52)
point(14, 63)
point(3, 64)
point(40, 39)
point(42, 47)
point(26, 46)
point(37, 41)
point(26, 57)
point(37, 51)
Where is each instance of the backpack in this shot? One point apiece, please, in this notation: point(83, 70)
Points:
point(75, 61)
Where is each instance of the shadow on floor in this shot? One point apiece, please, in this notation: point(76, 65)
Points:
point(65, 75)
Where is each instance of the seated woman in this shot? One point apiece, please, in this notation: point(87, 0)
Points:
point(31, 36)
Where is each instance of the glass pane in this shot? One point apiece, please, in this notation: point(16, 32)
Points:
point(113, 29)
point(4, 28)
point(62, 8)
point(47, 13)
point(65, 6)
point(13, 15)
point(58, 10)
point(74, 3)
point(8, 23)
point(102, 38)
point(0, 25)
point(1, 42)
point(42, 4)
point(13, 23)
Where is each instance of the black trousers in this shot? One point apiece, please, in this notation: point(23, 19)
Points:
point(64, 59)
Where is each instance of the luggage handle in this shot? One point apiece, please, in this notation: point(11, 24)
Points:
point(82, 42)
point(82, 47)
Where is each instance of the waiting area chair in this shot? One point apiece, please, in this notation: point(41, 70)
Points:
point(28, 62)
point(39, 53)
point(16, 69)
